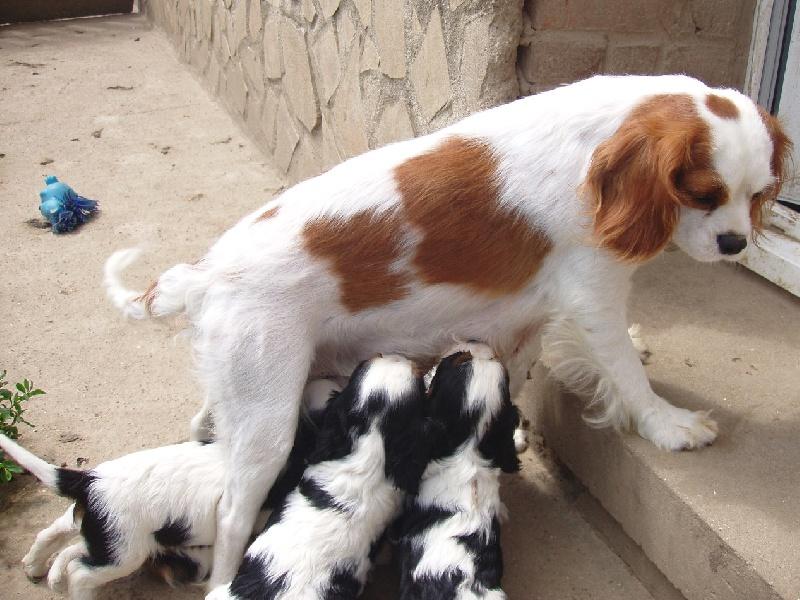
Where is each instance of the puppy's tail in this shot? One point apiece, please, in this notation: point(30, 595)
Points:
point(65, 482)
point(41, 469)
point(168, 295)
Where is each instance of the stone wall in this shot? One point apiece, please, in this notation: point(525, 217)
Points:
point(318, 81)
point(567, 40)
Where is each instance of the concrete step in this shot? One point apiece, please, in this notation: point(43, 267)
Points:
point(722, 522)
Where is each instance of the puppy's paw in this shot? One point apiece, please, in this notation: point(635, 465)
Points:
point(635, 333)
point(674, 428)
point(520, 440)
point(57, 580)
point(33, 569)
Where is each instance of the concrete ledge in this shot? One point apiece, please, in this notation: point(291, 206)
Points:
point(722, 522)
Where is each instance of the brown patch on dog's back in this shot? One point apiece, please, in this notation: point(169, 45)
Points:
point(267, 214)
point(362, 252)
point(722, 107)
point(451, 196)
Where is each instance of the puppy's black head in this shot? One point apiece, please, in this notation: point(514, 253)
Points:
point(469, 398)
point(385, 392)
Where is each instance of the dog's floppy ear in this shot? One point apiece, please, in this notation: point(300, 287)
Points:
point(633, 177)
point(779, 165)
point(406, 439)
point(497, 443)
point(334, 440)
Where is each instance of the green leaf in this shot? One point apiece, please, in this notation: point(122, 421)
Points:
point(21, 388)
point(37, 392)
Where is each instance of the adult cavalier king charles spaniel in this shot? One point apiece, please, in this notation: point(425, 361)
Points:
point(521, 220)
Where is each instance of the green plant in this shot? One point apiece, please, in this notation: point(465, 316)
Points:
point(11, 411)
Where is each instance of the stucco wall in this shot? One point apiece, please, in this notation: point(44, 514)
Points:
point(567, 40)
point(317, 81)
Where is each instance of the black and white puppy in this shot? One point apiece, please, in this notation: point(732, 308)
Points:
point(155, 506)
point(450, 532)
point(369, 454)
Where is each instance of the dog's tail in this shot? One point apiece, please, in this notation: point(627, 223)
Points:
point(41, 469)
point(65, 482)
point(167, 295)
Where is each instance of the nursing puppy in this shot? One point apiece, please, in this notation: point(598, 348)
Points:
point(450, 532)
point(154, 506)
point(370, 452)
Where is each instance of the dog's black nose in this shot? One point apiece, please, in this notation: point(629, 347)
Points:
point(731, 243)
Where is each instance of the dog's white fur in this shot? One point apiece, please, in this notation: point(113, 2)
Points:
point(265, 313)
point(308, 543)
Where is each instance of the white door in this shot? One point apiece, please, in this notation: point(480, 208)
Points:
point(774, 80)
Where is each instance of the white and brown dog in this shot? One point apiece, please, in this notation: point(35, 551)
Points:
point(530, 213)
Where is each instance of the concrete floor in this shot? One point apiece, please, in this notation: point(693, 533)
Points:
point(105, 105)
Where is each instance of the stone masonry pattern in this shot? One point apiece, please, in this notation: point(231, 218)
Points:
point(318, 81)
point(568, 40)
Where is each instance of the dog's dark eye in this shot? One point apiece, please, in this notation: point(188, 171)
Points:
point(707, 202)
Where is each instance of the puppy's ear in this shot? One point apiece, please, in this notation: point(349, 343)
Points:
point(497, 444)
point(633, 175)
point(333, 440)
point(406, 439)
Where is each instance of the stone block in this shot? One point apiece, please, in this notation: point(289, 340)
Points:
point(710, 62)
point(305, 162)
point(388, 14)
point(205, 17)
point(554, 60)
point(369, 55)
point(273, 59)
point(364, 10)
point(297, 81)
point(286, 136)
point(429, 73)
point(590, 15)
point(347, 114)
point(235, 88)
point(326, 59)
point(394, 124)
point(269, 111)
point(475, 58)
point(239, 25)
point(634, 59)
point(251, 63)
point(307, 10)
point(328, 7)
point(716, 18)
point(256, 18)
point(346, 31)
point(330, 152)
point(252, 116)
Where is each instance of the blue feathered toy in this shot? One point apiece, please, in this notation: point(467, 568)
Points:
point(62, 207)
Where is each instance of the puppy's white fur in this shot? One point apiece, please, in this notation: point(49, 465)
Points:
point(320, 544)
point(450, 544)
point(265, 313)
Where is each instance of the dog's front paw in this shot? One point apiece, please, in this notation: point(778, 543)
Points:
point(673, 428)
point(635, 333)
point(35, 570)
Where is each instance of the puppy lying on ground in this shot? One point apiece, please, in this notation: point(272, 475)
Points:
point(450, 532)
point(155, 506)
point(370, 451)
